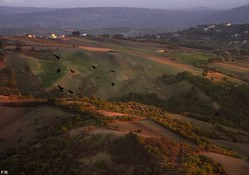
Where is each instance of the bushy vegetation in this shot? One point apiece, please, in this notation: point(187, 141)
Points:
point(46, 54)
point(185, 129)
point(79, 108)
point(63, 154)
point(195, 135)
point(8, 85)
point(56, 151)
point(161, 157)
point(1, 56)
point(181, 103)
point(58, 154)
point(234, 100)
point(62, 151)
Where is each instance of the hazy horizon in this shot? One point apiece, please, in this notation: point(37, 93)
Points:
point(162, 4)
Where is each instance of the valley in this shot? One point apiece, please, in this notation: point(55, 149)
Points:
point(124, 107)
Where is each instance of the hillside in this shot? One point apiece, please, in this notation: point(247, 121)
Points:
point(96, 136)
point(237, 15)
point(18, 20)
point(87, 18)
point(101, 105)
point(5, 10)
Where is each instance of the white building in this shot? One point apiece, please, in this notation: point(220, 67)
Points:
point(31, 36)
point(83, 34)
point(52, 36)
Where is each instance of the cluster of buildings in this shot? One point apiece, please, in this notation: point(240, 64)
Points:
point(54, 36)
point(49, 36)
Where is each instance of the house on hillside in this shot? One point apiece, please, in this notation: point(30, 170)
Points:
point(61, 36)
point(31, 36)
point(175, 35)
point(162, 51)
point(83, 34)
point(52, 36)
point(211, 27)
point(205, 29)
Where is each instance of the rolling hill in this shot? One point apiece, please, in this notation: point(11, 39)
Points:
point(5, 10)
point(102, 127)
point(239, 15)
point(87, 18)
point(28, 19)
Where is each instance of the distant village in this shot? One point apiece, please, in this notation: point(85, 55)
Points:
point(55, 36)
point(225, 34)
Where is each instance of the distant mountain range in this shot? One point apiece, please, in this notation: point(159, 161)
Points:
point(4, 10)
point(116, 17)
point(238, 15)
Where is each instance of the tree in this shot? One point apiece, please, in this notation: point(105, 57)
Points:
point(1, 57)
point(106, 35)
point(205, 73)
point(27, 67)
point(76, 33)
point(32, 49)
point(18, 45)
point(118, 36)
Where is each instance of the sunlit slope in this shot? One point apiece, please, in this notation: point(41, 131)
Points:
point(121, 67)
point(27, 82)
point(130, 71)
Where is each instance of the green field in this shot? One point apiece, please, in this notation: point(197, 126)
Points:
point(132, 72)
point(194, 58)
point(136, 67)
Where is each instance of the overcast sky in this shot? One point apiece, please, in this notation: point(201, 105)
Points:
point(164, 4)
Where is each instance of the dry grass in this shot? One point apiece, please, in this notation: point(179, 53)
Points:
point(218, 78)
point(231, 165)
point(233, 68)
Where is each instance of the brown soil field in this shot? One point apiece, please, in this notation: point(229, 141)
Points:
point(218, 77)
point(95, 49)
point(2, 64)
point(232, 166)
point(37, 41)
point(110, 113)
point(234, 68)
point(176, 65)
